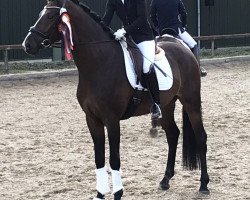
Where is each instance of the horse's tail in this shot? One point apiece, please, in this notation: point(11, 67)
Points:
point(190, 157)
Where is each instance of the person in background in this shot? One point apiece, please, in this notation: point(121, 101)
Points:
point(133, 14)
point(170, 16)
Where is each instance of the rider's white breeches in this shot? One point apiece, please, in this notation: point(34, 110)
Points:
point(187, 39)
point(147, 49)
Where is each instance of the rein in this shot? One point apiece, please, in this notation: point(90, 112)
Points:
point(94, 42)
point(59, 44)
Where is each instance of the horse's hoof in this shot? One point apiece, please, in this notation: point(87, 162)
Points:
point(153, 132)
point(99, 196)
point(118, 195)
point(164, 186)
point(155, 122)
point(204, 191)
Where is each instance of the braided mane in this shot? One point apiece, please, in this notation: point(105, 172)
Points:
point(92, 14)
point(96, 18)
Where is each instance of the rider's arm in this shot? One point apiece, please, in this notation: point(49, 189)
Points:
point(183, 13)
point(153, 14)
point(109, 12)
point(141, 17)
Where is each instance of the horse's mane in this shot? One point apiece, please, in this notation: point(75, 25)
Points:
point(93, 15)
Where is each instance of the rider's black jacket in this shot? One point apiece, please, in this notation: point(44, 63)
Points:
point(168, 14)
point(133, 14)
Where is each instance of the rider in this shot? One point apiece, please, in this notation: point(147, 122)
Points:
point(133, 14)
point(171, 15)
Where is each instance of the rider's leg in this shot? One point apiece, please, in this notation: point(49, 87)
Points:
point(194, 48)
point(147, 49)
point(195, 51)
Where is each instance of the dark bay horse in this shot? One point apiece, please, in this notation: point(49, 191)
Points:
point(104, 91)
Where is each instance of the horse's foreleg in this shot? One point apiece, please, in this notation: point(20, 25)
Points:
point(96, 129)
point(114, 143)
point(172, 133)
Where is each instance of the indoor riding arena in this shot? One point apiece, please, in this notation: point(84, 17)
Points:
point(46, 152)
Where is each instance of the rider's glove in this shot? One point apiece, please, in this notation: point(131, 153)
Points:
point(119, 34)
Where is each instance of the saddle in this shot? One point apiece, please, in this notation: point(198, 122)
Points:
point(137, 60)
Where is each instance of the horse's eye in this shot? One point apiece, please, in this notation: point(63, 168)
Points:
point(51, 16)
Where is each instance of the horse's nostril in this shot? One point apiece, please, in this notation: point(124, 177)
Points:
point(28, 47)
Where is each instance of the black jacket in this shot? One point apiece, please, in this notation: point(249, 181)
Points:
point(168, 14)
point(133, 14)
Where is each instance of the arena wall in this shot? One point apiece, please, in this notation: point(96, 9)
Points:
point(224, 17)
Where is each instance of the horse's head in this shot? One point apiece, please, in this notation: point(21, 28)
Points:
point(45, 31)
point(55, 21)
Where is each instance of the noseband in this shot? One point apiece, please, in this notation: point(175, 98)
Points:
point(46, 39)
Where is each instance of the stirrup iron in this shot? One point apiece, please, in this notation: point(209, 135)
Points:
point(156, 111)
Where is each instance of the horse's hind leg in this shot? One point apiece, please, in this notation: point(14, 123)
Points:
point(96, 129)
point(172, 133)
point(192, 114)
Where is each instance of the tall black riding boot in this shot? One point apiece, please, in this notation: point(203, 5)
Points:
point(153, 87)
point(196, 54)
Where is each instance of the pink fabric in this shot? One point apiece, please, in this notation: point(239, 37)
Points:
point(65, 28)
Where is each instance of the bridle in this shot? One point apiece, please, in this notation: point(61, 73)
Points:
point(46, 38)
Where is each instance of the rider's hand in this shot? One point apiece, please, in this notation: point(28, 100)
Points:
point(119, 34)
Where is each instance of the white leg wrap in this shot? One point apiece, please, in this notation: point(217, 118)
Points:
point(102, 180)
point(116, 180)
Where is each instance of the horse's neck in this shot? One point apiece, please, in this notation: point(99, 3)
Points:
point(85, 29)
point(95, 52)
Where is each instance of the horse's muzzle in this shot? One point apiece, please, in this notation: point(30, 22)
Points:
point(28, 48)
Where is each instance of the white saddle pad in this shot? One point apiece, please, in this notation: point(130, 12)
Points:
point(165, 82)
point(182, 42)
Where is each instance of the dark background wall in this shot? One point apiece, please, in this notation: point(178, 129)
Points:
point(224, 17)
point(99, 7)
point(16, 16)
